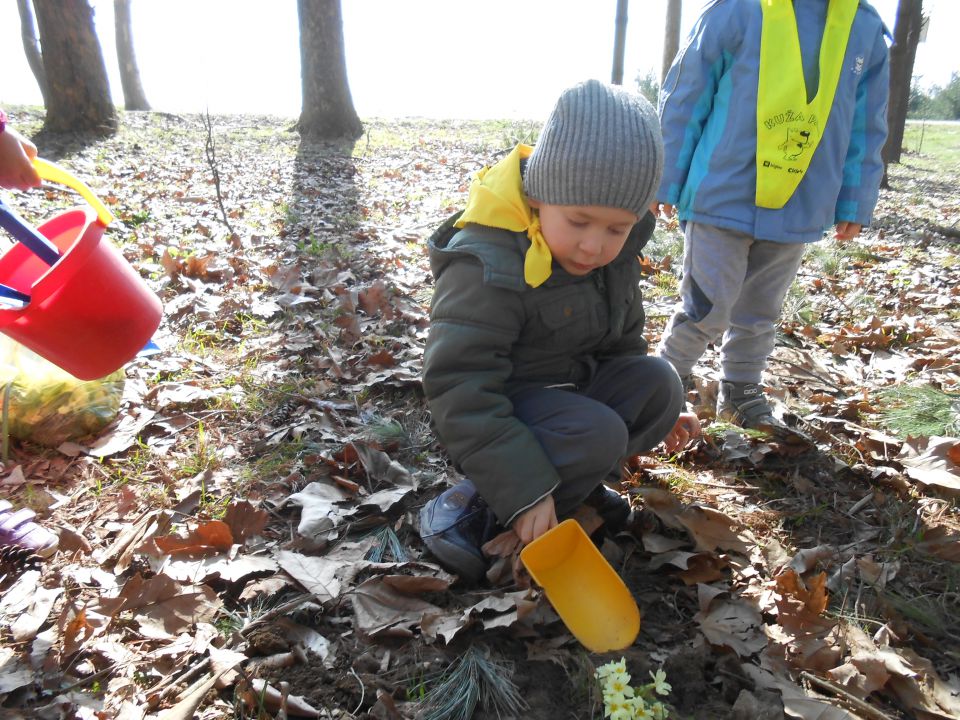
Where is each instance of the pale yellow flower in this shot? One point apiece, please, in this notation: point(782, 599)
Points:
point(616, 708)
point(660, 683)
point(612, 667)
point(618, 683)
point(659, 711)
point(641, 711)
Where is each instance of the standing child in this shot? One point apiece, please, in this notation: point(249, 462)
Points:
point(774, 115)
point(535, 369)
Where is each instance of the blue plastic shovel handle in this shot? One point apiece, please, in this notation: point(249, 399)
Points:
point(8, 292)
point(23, 233)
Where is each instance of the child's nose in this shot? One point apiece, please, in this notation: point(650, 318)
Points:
point(591, 244)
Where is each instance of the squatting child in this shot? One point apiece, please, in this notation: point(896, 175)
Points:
point(535, 369)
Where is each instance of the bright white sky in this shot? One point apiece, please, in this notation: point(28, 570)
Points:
point(435, 58)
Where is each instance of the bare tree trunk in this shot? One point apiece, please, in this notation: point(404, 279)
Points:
point(31, 46)
point(79, 94)
point(133, 95)
point(619, 42)
point(906, 37)
point(671, 37)
point(327, 110)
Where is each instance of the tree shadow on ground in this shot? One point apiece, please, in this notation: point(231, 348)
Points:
point(323, 210)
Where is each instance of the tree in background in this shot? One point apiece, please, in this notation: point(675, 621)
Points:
point(671, 36)
point(940, 103)
point(31, 46)
point(947, 99)
point(327, 110)
point(619, 42)
point(648, 86)
point(906, 37)
point(133, 95)
point(78, 91)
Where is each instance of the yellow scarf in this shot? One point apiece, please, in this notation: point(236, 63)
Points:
point(788, 127)
point(497, 200)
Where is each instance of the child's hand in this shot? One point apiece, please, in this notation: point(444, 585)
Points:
point(16, 154)
point(684, 430)
point(534, 522)
point(847, 231)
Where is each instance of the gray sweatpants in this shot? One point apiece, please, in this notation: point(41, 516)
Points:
point(732, 284)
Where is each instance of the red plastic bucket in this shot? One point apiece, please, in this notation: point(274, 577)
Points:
point(90, 313)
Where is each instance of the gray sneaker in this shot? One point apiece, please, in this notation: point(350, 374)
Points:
point(744, 404)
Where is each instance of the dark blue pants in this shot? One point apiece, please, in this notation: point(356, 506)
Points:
point(628, 408)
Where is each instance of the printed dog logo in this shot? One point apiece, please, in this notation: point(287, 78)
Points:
point(796, 142)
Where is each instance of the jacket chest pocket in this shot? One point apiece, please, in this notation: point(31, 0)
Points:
point(567, 322)
point(569, 311)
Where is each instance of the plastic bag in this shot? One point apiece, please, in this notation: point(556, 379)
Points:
point(49, 405)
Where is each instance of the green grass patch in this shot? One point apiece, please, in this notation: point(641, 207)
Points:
point(932, 145)
point(662, 285)
point(919, 411)
point(798, 307)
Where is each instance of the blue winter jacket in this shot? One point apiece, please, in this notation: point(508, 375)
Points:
point(708, 111)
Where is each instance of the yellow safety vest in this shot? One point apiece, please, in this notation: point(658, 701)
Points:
point(788, 126)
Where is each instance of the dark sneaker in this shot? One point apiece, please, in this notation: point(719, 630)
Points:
point(689, 383)
point(17, 529)
point(610, 505)
point(744, 404)
point(454, 525)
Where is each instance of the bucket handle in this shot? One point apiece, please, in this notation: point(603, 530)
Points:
point(54, 173)
point(26, 235)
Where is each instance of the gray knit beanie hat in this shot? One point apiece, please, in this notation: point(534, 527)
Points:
point(602, 146)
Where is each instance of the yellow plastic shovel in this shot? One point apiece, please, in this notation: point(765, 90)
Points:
point(586, 592)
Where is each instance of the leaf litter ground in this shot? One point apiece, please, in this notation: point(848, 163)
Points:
point(244, 536)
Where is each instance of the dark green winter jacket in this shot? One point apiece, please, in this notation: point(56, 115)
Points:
point(492, 335)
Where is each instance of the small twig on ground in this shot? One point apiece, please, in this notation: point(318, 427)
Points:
point(363, 693)
point(805, 371)
point(860, 504)
point(279, 610)
point(846, 698)
point(166, 684)
point(210, 149)
point(106, 672)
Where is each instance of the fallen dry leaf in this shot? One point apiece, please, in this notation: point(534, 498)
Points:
point(75, 632)
point(928, 460)
point(942, 543)
point(711, 530)
point(213, 536)
point(800, 606)
point(812, 594)
point(734, 624)
point(245, 520)
point(381, 609)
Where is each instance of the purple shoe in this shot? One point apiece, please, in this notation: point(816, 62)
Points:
point(18, 529)
point(611, 506)
point(454, 525)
